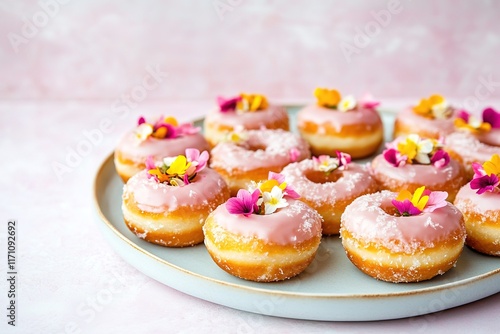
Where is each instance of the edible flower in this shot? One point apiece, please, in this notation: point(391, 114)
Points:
point(245, 203)
point(262, 198)
point(490, 120)
point(435, 106)
point(368, 102)
point(413, 149)
point(347, 103)
point(236, 136)
point(486, 176)
point(327, 164)
point(243, 103)
point(177, 171)
point(329, 98)
point(422, 200)
point(163, 128)
point(294, 154)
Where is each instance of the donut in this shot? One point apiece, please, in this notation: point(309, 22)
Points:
point(341, 124)
point(402, 238)
point(476, 141)
point(163, 138)
point(329, 184)
point(243, 112)
point(431, 118)
point(250, 155)
point(167, 203)
point(411, 161)
point(265, 234)
point(479, 202)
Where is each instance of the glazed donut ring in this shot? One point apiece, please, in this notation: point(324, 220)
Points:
point(357, 132)
point(217, 124)
point(408, 122)
point(252, 159)
point(169, 215)
point(329, 194)
point(401, 249)
point(466, 148)
point(482, 219)
point(264, 248)
point(449, 178)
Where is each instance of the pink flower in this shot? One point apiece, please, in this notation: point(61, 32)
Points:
point(368, 102)
point(485, 183)
point(406, 208)
point(393, 157)
point(150, 164)
point(440, 159)
point(491, 116)
point(187, 129)
point(478, 169)
point(244, 203)
point(228, 104)
point(288, 191)
point(437, 199)
point(141, 120)
point(464, 115)
point(171, 130)
point(294, 154)
point(198, 160)
point(344, 159)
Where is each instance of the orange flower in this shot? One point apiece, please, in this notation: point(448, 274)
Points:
point(329, 98)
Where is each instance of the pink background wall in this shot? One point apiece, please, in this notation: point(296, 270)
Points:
point(102, 49)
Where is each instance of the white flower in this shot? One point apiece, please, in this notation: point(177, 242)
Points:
point(325, 163)
point(441, 110)
point(347, 103)
point(143, 131)
point(272, 200)
point(424, 148)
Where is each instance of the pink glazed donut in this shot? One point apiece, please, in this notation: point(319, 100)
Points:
point(398, 248)
point(169, 215)
point(132, 151)
point(264, 248)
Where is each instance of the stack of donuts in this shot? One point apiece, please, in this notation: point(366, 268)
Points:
point(261, 196)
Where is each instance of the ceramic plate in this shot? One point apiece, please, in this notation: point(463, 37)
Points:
point(330, 289)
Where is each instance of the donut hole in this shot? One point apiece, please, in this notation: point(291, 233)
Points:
point(390, 210)
point(322, 177)
point(256, 146)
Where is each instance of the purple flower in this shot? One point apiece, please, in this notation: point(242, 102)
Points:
point(485, 183)
point(440, 159)
point(244, 203)
point(393, 157)
point(406, 208)
point(228, 104)
point(171, 131)
point(491, 116)
point(344, 159)
point(478, 169)
point(141, 120)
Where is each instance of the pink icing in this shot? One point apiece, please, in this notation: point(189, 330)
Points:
point(365, 219)
point(337, 119)
point(353, 182)
point(277, 143)
point(427, 175)
point(290, 225)
point(248, 120)
point(132, 149)
point(491, 137)
point(487, 201)
point(470, 148)
point(439, 126)
point(155, 197)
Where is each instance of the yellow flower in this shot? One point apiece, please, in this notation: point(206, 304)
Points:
point(492, 166)
point(179, 166)
point(268, 185)
point(416, 148)
point(435, 106)
point(327, 97)
point(474, 125)
point(416, 199)
point(252, 102)
point(171, 120)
